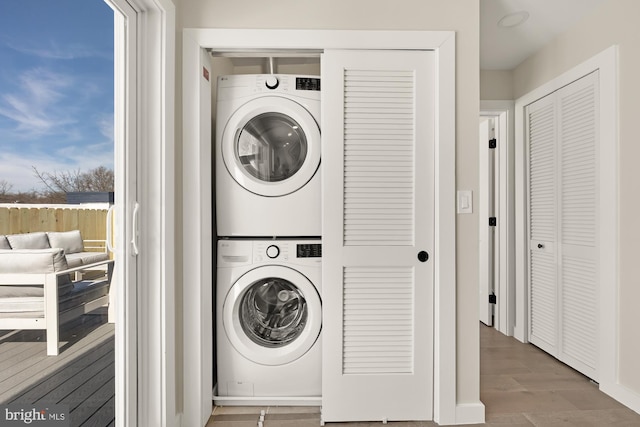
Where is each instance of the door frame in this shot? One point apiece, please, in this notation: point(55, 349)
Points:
point(504, 111)
point(125, 166)
point(145, 319)
point(606, 63)
point(198, 230)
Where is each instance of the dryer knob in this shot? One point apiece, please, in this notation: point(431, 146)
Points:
point(272, 82)
point(273, 251)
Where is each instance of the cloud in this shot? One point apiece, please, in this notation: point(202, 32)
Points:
point(49, 121)
point(55, 51)
point(105, 124)
point(17, 168)
point(35, 107)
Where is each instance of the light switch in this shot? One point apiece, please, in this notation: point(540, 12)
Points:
point(465, 201)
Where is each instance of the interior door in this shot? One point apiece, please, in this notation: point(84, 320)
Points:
point(486, 248)
point(378, 228)
point(563, 224)
point(579, 234)
point(543, 274)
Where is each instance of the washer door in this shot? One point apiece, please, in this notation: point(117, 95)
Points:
point(271, 146)
point(272, 315)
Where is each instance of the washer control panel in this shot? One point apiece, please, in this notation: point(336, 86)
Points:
point(294, 251)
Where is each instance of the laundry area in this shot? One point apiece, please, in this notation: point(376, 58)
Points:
point(297, 207)
point(268, 305)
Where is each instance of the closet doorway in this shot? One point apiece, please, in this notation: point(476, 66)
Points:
point(566, 218)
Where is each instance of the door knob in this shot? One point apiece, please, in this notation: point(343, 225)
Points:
point(540, 246)
point(423, 256)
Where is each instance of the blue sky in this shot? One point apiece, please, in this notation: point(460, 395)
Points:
point(56, 88)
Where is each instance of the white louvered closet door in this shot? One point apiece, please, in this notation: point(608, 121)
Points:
point(378, 220)
point(564, 202)
point(543, 274)
point(579, 272)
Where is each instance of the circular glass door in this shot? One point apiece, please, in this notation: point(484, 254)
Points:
point(271, 146)
point(272, 315)
point(273, 312)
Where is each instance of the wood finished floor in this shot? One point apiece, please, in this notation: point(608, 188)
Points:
point(520, 386)
point(80, 377)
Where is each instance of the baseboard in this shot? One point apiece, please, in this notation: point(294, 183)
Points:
point(622, 394)
point(470, 413)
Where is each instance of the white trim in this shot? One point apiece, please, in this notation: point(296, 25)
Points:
point(156, 62)
point(198, 238)
point(470, 413)
point(505, 310)
point(622, 394)
point(197, 173)
point(606, 63)
point(223, 40)
point(125, 282)
point(149, 379)
point(445, 325)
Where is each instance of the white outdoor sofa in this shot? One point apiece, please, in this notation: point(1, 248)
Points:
point(40, 287)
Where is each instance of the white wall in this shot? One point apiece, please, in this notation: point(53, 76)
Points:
point(385, 15)
point(496, 85)
point(614, 22)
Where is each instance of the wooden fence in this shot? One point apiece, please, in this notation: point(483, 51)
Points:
point(91, 221)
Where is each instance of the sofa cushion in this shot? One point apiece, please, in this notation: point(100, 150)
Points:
point(37, 240)
point(25, 261)
point(84, 258)
point(48, 260)
point(21, 307)
point(70, 241)
point(4, 243)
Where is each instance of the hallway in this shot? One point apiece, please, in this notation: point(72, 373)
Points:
point(520, 385)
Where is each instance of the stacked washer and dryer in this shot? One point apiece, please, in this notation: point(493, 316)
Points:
point(268, 219)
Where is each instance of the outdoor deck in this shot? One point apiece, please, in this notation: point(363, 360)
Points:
point(81, 377)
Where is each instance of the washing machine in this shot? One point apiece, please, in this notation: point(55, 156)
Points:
point(268, 322)
point(268, 156)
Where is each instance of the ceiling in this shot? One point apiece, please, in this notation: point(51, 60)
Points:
point(504, 48)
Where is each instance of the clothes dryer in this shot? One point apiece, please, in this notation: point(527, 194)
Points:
point(268, 156)
point(268, 322)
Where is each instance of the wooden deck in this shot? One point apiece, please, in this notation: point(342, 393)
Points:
point(80, 377)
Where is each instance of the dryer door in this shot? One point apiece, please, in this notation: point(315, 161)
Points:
point(272, 315)
point(271, 146)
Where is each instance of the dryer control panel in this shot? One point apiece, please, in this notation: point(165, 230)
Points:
point(292, 251)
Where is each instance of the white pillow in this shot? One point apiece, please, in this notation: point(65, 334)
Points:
point(70, 241)
point(28, 261)
point(48, 260)
point(37, 240)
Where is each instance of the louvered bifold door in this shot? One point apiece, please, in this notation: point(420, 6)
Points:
point(378, 225)
point(563, 199)
point(541, 126)
point(578, 252)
